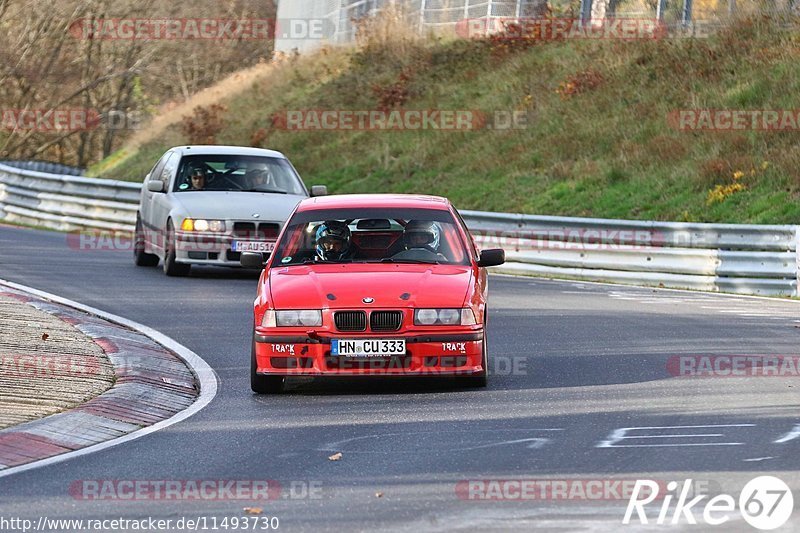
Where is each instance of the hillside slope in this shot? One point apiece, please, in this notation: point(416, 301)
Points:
point(599, 139)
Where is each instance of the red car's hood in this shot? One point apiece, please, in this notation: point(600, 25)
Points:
point(346, 285)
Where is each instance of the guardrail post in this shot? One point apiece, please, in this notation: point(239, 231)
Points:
point(797, 255)
point(686, 15)
point(586, 11)
point(662, 6)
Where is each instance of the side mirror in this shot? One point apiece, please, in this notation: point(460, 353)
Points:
point(490, 258)
point(253, 259)
point(319, 190)
point(155, 186)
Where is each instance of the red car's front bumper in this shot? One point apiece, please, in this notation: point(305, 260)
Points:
point(426, 355)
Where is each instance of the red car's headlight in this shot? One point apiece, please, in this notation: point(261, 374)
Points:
point(444, 317)
point(292, 318)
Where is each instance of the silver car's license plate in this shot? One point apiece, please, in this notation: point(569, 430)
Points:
point(252, 246)
point(368, 347)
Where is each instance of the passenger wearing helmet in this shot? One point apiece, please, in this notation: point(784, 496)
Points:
point(258, 177)
point(333, 241)
point(421, 241)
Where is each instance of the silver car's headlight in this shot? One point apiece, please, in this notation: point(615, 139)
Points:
point(201, 224)
point(292, 319)
point(444, 317)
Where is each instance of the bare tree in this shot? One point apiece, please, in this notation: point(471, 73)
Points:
point(50, 60)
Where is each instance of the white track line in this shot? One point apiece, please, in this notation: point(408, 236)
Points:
point(204, 373)
point(625, 287)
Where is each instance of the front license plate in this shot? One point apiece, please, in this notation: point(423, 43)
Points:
point(368, 347)
point(253, 246)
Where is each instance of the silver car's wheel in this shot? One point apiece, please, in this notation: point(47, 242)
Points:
point(140, 257)
point(171, 267)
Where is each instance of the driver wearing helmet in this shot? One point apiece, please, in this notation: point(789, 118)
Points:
point(333, 241)
point(421, 241)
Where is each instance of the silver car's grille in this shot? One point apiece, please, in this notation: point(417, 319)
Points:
point(266, 231)
point(244, 229)
point(269, 231)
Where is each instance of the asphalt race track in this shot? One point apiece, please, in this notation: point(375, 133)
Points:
point(572, 364)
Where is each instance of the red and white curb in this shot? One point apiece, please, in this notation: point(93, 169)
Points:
point(158, 383)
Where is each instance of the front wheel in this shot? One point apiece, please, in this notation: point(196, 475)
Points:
point(481, 380)
point(171, 266)
point(261, 384)
point(140, 257)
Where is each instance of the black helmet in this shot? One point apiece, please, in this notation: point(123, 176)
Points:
point(331, 233)
point(421, 234)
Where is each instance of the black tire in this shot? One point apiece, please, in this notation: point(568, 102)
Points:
point(481, 380)
point(261, 384)
point(140, 257)
point(171, 267)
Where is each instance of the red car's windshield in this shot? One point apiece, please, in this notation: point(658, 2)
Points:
point(371, 235)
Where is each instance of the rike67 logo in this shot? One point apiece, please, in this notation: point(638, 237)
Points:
point(765, 503)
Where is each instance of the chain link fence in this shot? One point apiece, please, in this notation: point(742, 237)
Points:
point(443, 16)
point(421, 15)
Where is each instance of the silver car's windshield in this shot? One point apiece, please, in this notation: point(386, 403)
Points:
point(237, 173)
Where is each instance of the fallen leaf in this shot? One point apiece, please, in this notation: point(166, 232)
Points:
point(45, 336)
point(335, 457)
point(253, 510)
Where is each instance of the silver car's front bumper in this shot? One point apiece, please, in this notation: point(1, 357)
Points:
point(212, 249)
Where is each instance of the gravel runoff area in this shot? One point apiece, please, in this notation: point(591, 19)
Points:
point(71, 380)
point(47, 365)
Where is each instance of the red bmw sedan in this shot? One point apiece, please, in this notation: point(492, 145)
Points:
point(371, 285)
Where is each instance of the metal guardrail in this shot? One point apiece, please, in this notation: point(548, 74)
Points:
point(67, 203)
point(46, 166)
point(739, 258)
point(736, 258)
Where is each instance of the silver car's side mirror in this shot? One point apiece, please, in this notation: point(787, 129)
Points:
point(319, 190)
point(155, 186)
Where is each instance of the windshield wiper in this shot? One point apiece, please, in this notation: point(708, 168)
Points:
point(406, 261)
point(259, 189)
